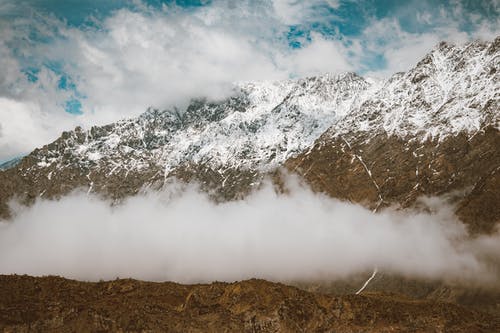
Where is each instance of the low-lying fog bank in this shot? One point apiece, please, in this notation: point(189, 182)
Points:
point(181, 235)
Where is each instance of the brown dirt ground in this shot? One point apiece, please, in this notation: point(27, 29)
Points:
point(54, 304)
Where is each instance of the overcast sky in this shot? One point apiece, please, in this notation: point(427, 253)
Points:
point(69, 63)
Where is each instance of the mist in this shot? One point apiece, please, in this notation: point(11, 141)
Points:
point(181, 235)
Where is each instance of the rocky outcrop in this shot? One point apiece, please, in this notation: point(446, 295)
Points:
point(56, 304)
point(386, 170)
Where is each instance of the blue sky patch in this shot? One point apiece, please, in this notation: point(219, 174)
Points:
point(73, 106)
point(31, 74)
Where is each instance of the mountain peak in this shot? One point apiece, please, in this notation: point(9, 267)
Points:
point(452, 89)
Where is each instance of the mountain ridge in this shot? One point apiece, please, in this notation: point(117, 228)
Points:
point(448, 102)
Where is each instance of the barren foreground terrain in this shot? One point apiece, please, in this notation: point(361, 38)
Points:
point(54, 304)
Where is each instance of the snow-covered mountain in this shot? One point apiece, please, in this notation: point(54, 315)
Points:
point(259, 127)
point(330, 129)
point(453, 89)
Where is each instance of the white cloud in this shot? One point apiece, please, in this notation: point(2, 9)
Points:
point(25, 126)
point(292, 12)
point(21, 121)
point(402, 49)
point(424, 17)
point(320, 56)
point(298, 236)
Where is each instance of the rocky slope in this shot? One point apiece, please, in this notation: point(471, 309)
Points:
point(56, 304)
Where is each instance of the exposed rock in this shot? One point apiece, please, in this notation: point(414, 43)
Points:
point(56, 304)
point(384, 170)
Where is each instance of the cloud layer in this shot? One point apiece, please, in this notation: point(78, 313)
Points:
point(180, 235)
